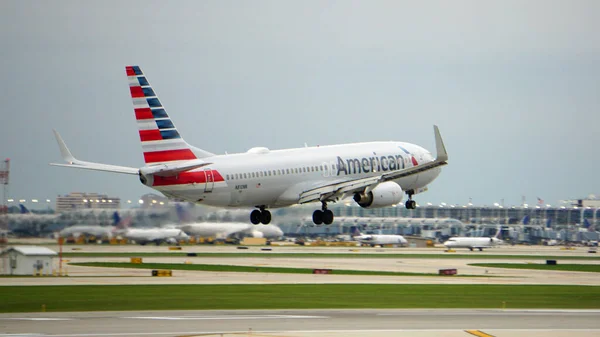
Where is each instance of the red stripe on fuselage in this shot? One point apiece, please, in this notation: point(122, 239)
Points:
point(169, 155)
point(147, 135)
point(143, 113)
point(136, 92)
point(130, 71)
point(187, 178)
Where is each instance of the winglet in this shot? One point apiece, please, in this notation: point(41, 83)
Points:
point(442, 154)
point(64, 150)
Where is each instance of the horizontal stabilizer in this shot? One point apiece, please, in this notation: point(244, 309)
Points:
point(167, 170)
point(73, 162)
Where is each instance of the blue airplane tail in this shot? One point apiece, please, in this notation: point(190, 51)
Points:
point(24, 209)
point(116, 218)
point(525, 220)
point(183, 214)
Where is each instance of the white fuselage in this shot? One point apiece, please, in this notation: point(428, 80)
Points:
point(78, 230)
point(222, 230)
point(381, 239)
point(145, 235)
point(277, 178)
point(472, 242)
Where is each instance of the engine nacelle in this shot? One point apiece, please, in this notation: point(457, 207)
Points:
point(383, 195)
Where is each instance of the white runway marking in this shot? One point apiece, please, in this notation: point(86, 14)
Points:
point(371, 331)
point(226, 317)
point(35, 319)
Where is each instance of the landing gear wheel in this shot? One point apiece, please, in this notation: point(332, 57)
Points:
point(410, 204)
point(318, 216)
point(327, 217)
point(255, 217)
point(265, 217)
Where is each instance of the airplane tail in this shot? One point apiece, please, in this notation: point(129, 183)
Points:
point(588, 225)
point(183, 214)
point(161, 142)
point(525, 220)
point(24, 209)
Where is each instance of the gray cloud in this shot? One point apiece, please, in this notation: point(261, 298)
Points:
point(513, 86)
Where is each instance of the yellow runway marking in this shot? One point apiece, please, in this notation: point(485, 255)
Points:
point(478, 333)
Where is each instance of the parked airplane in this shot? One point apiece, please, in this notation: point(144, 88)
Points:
point(26, 215)
point(474, 242)
point(91, 230)
point(374, 174)
point(381, 239)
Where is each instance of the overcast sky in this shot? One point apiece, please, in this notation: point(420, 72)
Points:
point(513, 85)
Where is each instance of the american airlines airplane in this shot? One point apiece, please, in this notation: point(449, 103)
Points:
point(374, 174)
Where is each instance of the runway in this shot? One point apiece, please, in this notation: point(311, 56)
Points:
point(103, 276)
point(302, 323)
point(299, 323)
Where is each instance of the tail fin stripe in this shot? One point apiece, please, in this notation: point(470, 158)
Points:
point(159, 113)
point(147, 124)
point(130, 71)
point(154, 102)
point(143, 113)
point(169, 155)
point(136, 92)
point(165, 124)
point(148, 135)
point(169, 134)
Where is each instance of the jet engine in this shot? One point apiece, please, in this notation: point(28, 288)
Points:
point(383, 195)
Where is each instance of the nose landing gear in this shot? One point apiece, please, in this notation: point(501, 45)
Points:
point(410, 203)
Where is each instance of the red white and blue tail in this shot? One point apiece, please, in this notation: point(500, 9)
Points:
point(161, 142)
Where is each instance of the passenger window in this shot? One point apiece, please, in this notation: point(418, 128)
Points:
point(287, 171)
point(244, 175)
point(253, 175)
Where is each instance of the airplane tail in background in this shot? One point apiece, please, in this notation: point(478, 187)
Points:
point(116, 219)
point(183, 214)
point(24, 209)
point(525, 220)
point(588, 225)
point(161, 142)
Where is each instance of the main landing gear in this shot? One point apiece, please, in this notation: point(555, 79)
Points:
point(323, 216)
point(260, 215)
point(410, 203)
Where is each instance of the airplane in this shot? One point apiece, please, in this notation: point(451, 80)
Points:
point(381, 239)
point(374, 174)
point(222, 229)
point(228, 229)
point(26, 215)
point(474, 242)
point(156, 235)
point(91, 230)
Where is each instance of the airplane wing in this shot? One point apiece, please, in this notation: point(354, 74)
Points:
point(340, 189)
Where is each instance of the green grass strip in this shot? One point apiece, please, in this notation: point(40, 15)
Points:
point(592, 268)
point(441, 255)
point(246, 269)
point(293, 296)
